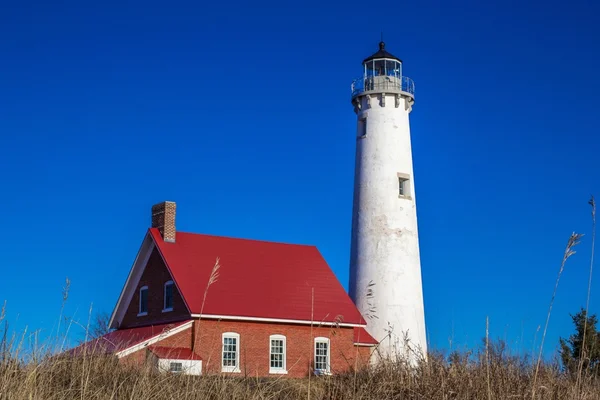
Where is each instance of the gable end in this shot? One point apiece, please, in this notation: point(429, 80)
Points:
point(150, 271)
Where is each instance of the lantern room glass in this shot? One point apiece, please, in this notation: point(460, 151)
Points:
point(383, 67)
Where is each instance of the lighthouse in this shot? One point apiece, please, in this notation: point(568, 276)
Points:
point(385, 268)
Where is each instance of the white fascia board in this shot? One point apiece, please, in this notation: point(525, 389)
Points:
point(160, 336)
point(276, 320)
point(132, 280)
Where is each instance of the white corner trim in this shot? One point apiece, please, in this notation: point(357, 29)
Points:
point(157, 338)
point(276, 320)
point(133, 278)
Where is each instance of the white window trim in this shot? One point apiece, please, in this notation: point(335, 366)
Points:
point(282, 370)
point(165, 309)
point(141, 314)
point(236, 336)
point(322, 339)
point(404, 180)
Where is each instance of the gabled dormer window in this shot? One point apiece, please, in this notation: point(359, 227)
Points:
point(168, 297)
point(143, 306)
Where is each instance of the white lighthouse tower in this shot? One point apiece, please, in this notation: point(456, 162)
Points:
point(385, 268)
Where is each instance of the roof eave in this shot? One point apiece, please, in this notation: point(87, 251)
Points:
point(279, 320)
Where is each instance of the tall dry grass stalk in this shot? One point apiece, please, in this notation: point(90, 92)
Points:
point(212, 279)
point(65, 297)
point(582, 355)
point(312, 317)
point(571, 243)
point(487, 355)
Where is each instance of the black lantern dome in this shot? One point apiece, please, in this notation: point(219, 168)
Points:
point(382, 53)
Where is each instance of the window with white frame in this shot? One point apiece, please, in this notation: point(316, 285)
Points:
point(277, 354)
point(143, 306)
point(230, 354)
point(322, 355)
point(404, 186)
point(168, 297)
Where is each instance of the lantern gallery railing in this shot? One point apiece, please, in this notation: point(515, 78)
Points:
point(383, 83)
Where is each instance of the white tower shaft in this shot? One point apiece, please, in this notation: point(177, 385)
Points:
point(385, 270)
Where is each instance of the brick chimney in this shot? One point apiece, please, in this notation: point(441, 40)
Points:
point(163, 218)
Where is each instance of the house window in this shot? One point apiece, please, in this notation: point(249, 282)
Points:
point(403, 186)
point(168, 297)
point(143, 307)
point(322, 351)
point(231, 352)
point(175, 367)
point(277, 354)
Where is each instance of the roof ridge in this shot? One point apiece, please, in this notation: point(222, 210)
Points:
point(246, 239)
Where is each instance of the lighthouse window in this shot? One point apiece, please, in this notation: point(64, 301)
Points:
point(403, 186)
point(362, 128)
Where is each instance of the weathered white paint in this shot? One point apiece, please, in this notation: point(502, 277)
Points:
point(189, 367)
point(385, 245)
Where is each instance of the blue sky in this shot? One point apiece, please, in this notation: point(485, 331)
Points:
point(241, 114)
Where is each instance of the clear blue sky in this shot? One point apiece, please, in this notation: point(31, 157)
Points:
point(240, 112)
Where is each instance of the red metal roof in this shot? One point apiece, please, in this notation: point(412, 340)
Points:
point(257, 279)
point(122, 339)
point(361, 336)
point(174, 353)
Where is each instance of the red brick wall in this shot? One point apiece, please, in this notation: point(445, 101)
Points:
point(254, 346)
point(155, 275)
point(181, 339)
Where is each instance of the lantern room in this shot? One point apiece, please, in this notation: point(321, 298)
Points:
point(382, 63)
point(382, 73)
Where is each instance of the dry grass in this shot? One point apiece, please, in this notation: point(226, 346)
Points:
point(490, 372)
point(569, 252)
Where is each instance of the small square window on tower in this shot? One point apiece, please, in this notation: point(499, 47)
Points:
point(404, 189)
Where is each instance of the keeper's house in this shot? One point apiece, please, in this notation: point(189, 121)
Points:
point(200, 304)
